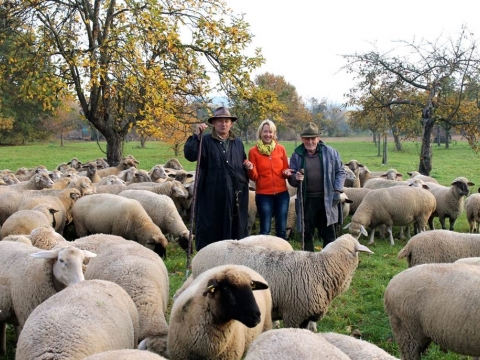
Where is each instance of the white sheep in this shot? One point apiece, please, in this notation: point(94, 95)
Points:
point(440, 246)
point(469, 260)
point(127, 175)
point(18, 238)
point(91, 171)
point(46, 238)
point(356, 195)
point(142, 274)
point(63, 202)
point(219, 314)
point(27, 282)
point(126, 163)
point(354, 166)
point(163, 212)
point(449, 200)
point(414, 298)
point(351, 180)
point(125, 354)
point(302, 283)
point(287, 344)
point(173, 163)
point(158, 173)
point(39, 181)
point(400, 205)
point(116, 215)
point(356, 349)
point(23, 222)
point(472, 208)
point(425, 178)
point(87, 318)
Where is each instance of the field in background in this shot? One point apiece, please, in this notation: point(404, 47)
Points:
point(361, 307)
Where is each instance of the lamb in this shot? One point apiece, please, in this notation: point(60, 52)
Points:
point(115, 170)
point(219, 314)
point(425, 178)
point(287, 344)
point(356, 349)
point(163, 213)
point(125, 354)
point(320, 276)
point(413, 299)
point(116, 215)
point(401, 205)
point(144, 277)
point(103, 315)
point(449, 200)
point(440, 246)
point(472, 208)
point(27, 282)
point(23, 222)
point(62, 202)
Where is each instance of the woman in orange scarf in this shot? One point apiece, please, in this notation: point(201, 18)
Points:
point(267, 165)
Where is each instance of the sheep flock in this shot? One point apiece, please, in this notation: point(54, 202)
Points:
point(84, 250)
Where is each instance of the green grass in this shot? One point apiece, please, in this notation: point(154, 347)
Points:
point(361, 307)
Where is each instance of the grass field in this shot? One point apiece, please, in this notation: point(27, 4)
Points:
point(361, 307)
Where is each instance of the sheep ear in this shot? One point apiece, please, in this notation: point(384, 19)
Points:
point(348, 201)
point(363, 248)
point(88, 254)
point(363, 231)
point(347, 226)
point(47, 254)
point(179, 191)
point(211, 287)
point(470, 183)
point(425, 186)
point(258, 285)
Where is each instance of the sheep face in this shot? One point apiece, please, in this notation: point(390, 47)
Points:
point(461, 187)
point(226, 306)
point(68, 261)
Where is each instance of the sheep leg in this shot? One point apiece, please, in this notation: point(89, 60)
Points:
point(372, 235)
point(442, 223)
point(452, 223)
point(430, 223)
point(389, 230)
point(401, 235)
point(312, 326)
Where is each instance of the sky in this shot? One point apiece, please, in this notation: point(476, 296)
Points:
point(303, 40)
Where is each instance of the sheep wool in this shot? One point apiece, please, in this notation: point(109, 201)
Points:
point(440, 246)
point(87, 318)
point(125, 354)
point(302, 283)
point(219, 314)
point(412, 301)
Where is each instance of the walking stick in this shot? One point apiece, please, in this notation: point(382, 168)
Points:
point(302, 214)
point(192, 206)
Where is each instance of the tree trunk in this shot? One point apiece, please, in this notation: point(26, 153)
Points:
point(374, 134)
point(396, 138)
point(385, 150)
point(378, 145)
point(447, 139)
point(143, 140)
point(439, 138)
point(114, 148)
point(426, 153)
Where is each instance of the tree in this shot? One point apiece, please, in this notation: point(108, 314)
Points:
point(65, 118)
point(442, 71)
point(130, 60)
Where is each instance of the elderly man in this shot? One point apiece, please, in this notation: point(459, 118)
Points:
point(323, 177)
point(221, 209)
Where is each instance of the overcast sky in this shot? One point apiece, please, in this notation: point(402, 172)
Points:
point(302, 40)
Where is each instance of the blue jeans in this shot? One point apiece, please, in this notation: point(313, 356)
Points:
point(273, 205)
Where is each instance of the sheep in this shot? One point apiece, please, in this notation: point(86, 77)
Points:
point(219, 314)
point(354, 166)
point(101, 163)
point(351, 180)
point(417, 175)
point(115, 170)
point(75, 163)
point(116, 215)
point(9, 179)
point(63, 202)
point(110, 180)
point(320, 276)
point(125, 354)
point(54, 175)
point(413, 299)
point(63, 182)
point(27, 282)
point(18, 238)
point(400, 205)
point(356, 349)
point(381, 183)
point(252, 210)
point(469, 260)
point(23, 222)
point(114, 189)
point(91, 171)
point(144, 277)
point(472, 208)
point(449, 200)
point(173, 163)
point(439, 246)
point(287, 344)
point(82, 183)
point(356, 195)
point(29, 173)
point(45, 237)
point(87, 318)
point(158, 174)
point(141, 176)
point(127, 175)
point(364, 174)
point(291, 216)
point(163, 213)
point(39, 181)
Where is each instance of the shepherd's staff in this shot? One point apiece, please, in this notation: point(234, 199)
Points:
point(302, 214)
point(194, 201)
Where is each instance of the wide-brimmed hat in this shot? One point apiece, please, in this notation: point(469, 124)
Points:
point(221, 113)
point(310, 130)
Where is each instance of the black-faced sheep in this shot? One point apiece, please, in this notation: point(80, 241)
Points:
point(87, 318)
point(116, 215)
point(414, 298)
point(219, 314)
point(320, 276)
